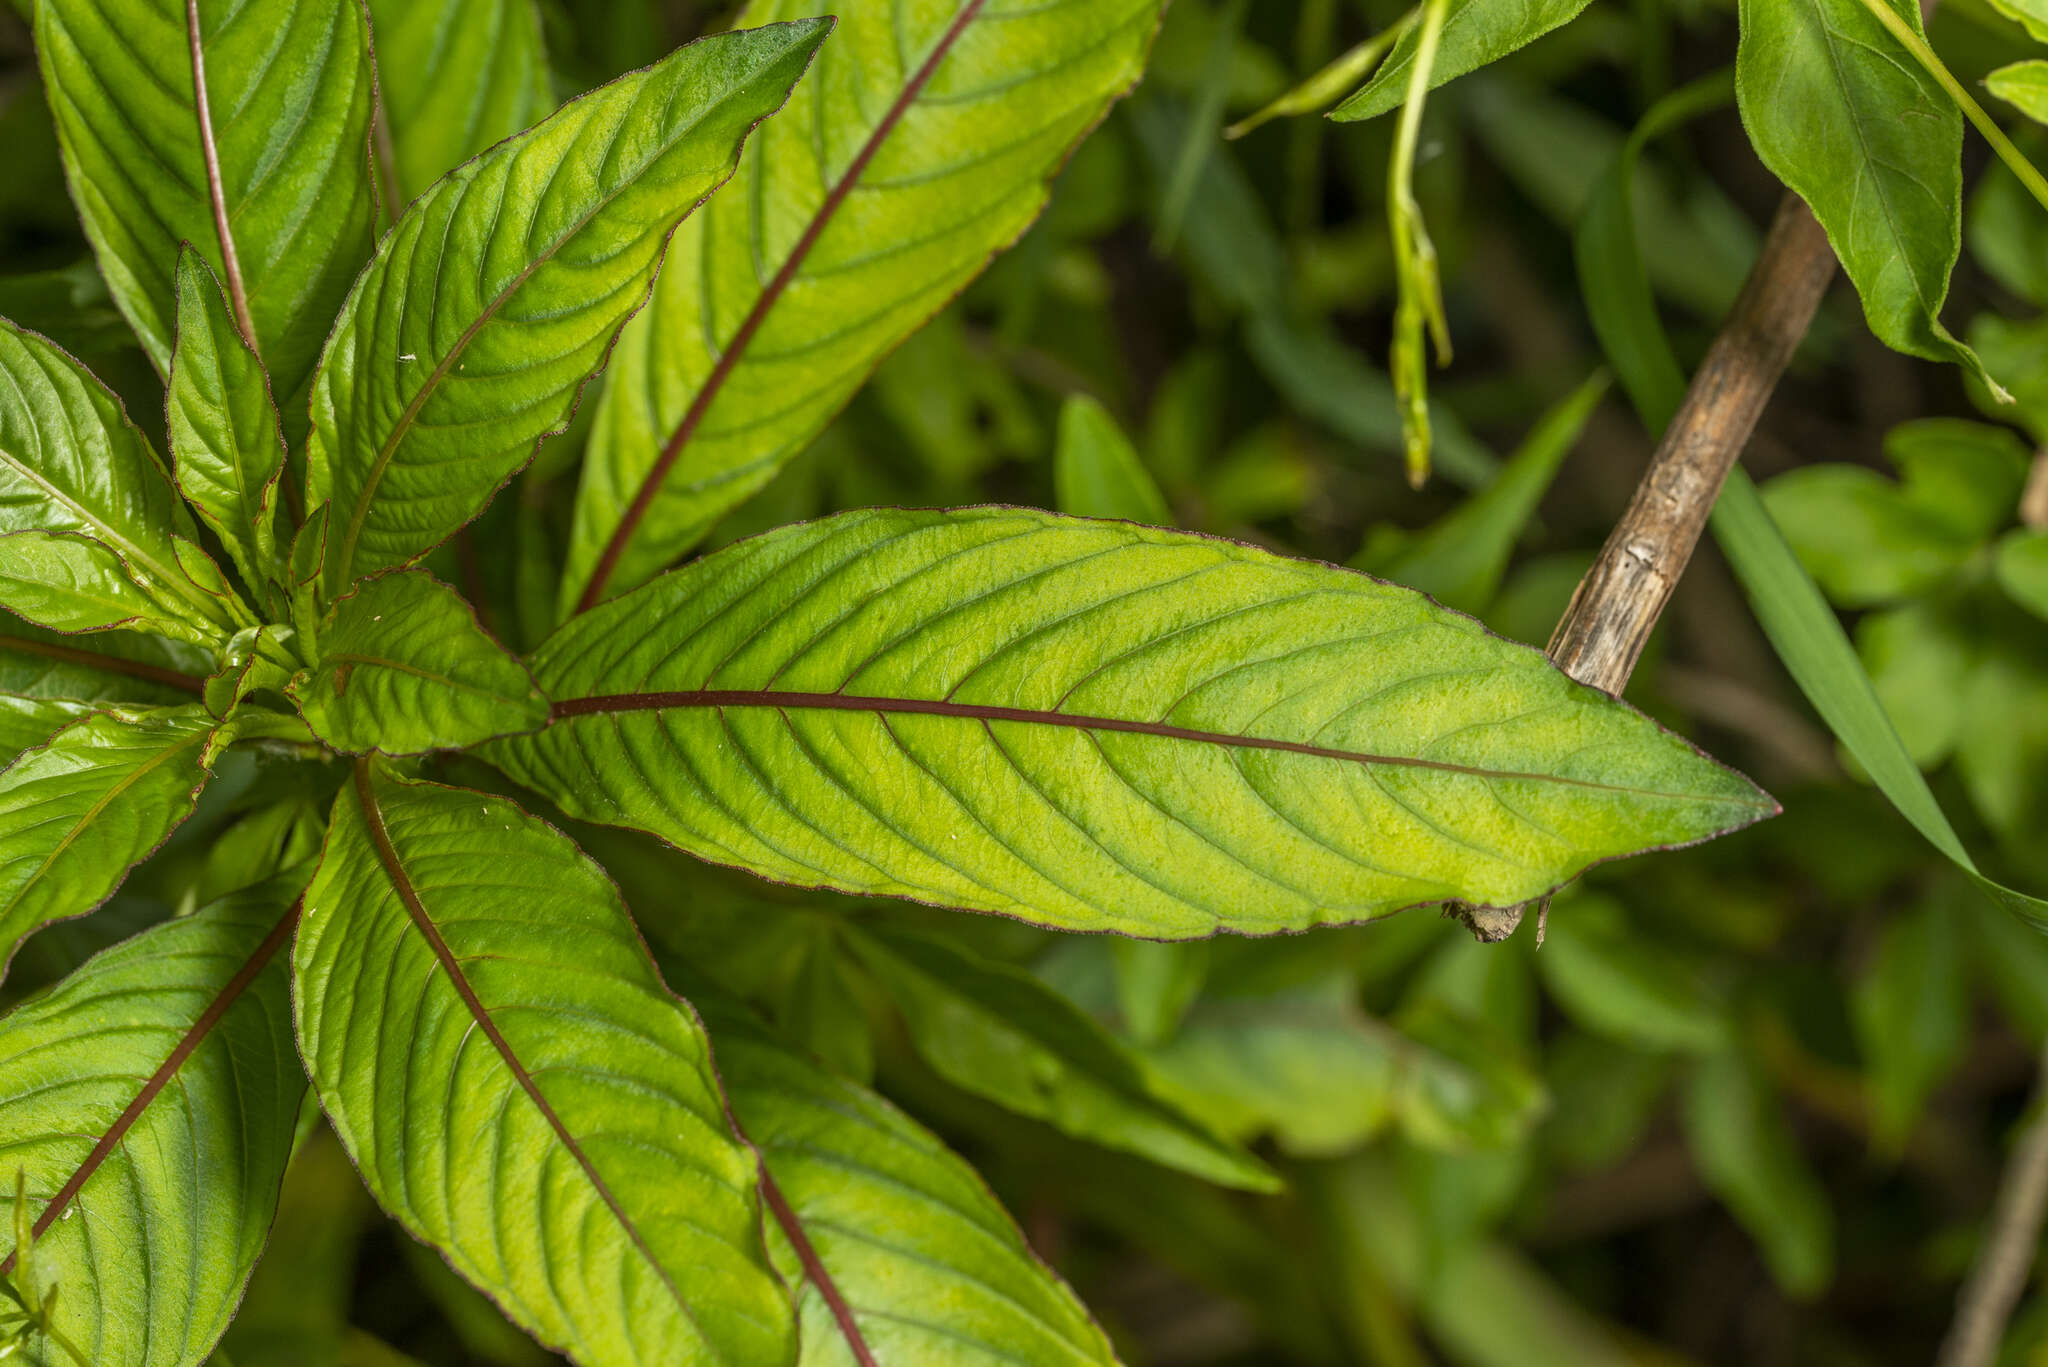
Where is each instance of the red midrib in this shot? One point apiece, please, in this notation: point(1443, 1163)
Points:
point(170, 678)
point(161, 1078)
point(814, 1268)
point(729, 359)
point(380, 836)
point(931, 707)
point(215, 192)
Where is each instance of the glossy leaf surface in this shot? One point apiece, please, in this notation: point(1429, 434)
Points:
point(78, 813)
point(1097, 726)
point(1842, 114)
point(455, 76)
point(518, 1087)
point(261, 163)
point(151, 1099)
point(405, 668)
point(72, 464)
point(473, 331)
point(922, 144)
point(226, 444)
point(1475, 33)
point(922, 1263)
point(999, 1032)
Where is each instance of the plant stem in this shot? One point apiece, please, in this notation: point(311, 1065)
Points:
point(1419, 300)
point(1617, 604)
point(1931, 61)
point(1986, 1301)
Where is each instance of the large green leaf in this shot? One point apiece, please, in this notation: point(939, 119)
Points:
point(999, 1032)
point(150, 1099)
point(922, 145)
point(226, 443)
point(454, 76)
point(80, 812)
point(73, 465)
point(1844, 115)
point(242, 129)
point(405, 668)
point(1475, 33)
point(486, 309)
point(517, 1086)
point(1099, 726)
point(894, 1244)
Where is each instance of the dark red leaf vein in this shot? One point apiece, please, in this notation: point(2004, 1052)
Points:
point(570, 708)
point(729, 359)
point(401, 881)
point(170, 678)
point(158, 1080)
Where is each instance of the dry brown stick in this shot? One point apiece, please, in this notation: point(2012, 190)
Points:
point(1617, 604)
point(1986, 1301)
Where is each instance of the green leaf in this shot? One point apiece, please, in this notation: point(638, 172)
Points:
point(2032, 15)
point(889, 1238)
point(1610, 261)
point(1746, 1152)
point(1463, 1084)
point(1917, 654)
point(1097, 726)
point(1842, 113)
point(455, 77)
point(1096, 471)
point(1864, 540)
point(1000, 1033)
point(113, 666)
point(1475, 33)
point(1459, 561)
point(1306, 1066)
point(1331, 383)
point(500, 1055)
point(225, 437)
point(2022, 570)
point(942, 127)
point(80, 812)
point(262, 165)
point(1618, 982)
point(405, 668)
point(28, 722)
point(1156, 984)
point(150, 1098)
point(471, 334)
point(1912, 1014)
point(1815, 650)
point(2024, 86)
point(72, 466)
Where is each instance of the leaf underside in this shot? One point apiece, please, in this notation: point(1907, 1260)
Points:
point(286, 190)
point(498, 294)
point(519, 1089)
point(1097, 726)
point(150, 1099)
point(922, 144)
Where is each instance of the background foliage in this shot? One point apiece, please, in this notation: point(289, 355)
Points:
point(1747, 1103)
